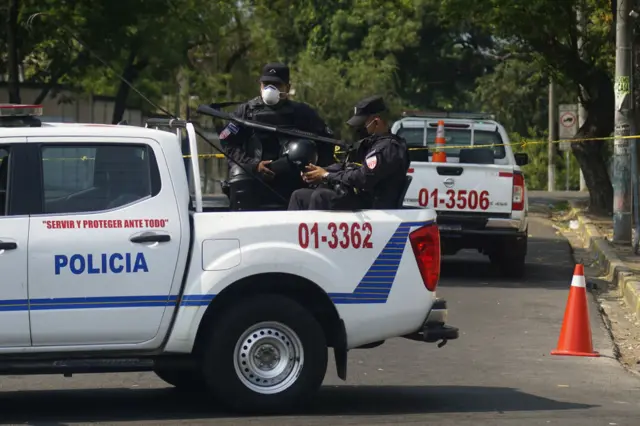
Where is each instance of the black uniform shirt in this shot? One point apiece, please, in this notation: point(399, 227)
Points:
point(382, 174)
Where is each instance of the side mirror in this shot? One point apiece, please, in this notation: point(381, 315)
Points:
point(522, 159)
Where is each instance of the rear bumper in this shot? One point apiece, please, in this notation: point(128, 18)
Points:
point(434, 328)
point(481, 223)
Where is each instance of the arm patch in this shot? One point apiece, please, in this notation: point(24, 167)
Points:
point(231, 128)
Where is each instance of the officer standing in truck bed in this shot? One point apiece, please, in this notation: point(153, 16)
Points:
point(256, 150)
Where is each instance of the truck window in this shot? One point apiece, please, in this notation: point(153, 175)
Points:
point(4, 180)
point(413, 135)
point(462, 137)
point(97, 177)
point(415, 139)
point(455, 137)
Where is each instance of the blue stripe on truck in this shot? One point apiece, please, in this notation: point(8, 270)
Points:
point(374, 287)
point(376, 284)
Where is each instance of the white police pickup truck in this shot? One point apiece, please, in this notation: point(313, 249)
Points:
point(479, 193)
point(109, 263)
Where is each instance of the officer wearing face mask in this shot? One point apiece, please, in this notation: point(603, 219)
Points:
point(258, 151)
point(373, 178)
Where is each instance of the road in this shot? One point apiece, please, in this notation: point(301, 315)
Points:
point(498, 373)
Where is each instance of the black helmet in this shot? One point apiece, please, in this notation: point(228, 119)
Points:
point(301, 152)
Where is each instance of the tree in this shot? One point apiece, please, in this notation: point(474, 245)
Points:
point(544, 33)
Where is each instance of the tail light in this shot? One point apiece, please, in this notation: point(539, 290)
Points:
point(425, 243)
point(518, 191)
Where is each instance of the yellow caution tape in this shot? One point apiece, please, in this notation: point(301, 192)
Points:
point(522, 144)
point(525, 143)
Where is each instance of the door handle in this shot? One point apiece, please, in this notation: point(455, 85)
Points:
point(8, 245)
point(151, 238)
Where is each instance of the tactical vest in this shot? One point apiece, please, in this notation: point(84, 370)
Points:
point(267, 145)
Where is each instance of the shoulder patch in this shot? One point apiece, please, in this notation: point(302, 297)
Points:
point(231, 128)
point(372, 161)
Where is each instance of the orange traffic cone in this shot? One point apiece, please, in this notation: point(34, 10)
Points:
point(439, 156)
point(575, 336)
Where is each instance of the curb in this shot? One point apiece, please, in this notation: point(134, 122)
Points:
point(627, 282)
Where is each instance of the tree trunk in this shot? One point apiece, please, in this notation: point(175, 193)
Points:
point(12, 47)
point(590, 154)
point(599, 105)
point(131, 72)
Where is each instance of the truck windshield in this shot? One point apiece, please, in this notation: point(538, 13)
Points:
point(454, 137)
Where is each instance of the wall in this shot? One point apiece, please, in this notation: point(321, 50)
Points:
point(69, 106)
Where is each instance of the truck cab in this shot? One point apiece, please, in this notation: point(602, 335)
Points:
point(479, 193)
point(112, 262)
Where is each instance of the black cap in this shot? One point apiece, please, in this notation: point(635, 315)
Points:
point(365, 108)
point(275, 72)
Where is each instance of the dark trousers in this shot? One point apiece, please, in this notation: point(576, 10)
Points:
point(249, 195)
point(323, 198)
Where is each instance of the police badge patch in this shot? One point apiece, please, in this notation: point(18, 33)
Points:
point(231, 128)
point(372, 162)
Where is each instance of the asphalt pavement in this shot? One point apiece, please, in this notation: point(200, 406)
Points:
point(498, 373)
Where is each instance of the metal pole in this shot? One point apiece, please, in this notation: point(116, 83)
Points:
point(553, 136)
point(582, 112)
point(621, 151)
point(567, 160)
point(635, 179)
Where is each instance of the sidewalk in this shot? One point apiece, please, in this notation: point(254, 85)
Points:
point(613, 273)
point(621, 266)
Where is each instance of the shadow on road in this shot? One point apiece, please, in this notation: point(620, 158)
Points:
point(548, 265)
point(117, 405)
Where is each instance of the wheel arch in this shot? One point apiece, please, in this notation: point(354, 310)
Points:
point(307, 293)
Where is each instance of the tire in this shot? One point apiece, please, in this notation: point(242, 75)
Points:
point(270, 325)
point(188, 380)
point(511, 260)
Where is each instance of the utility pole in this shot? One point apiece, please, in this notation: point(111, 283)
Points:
point(582, 112)
point(553, 136)
point(623, 109)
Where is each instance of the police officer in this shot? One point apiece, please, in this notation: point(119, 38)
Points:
point(256, 150)
point(373, 180)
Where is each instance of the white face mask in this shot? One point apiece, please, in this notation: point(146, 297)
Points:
point(270, 95)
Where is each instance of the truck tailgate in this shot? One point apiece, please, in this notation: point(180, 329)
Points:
point(484, 188)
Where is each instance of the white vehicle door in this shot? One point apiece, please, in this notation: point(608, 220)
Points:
point(14, 234)
point(103, 253)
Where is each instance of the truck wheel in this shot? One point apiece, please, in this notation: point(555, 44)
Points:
point(512, 258)
point(182, 379)
point(267, 354)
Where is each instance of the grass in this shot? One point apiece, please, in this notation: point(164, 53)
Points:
point(561, 206)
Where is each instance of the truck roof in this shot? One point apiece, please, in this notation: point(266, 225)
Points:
point(419, 122)
point(84, 129)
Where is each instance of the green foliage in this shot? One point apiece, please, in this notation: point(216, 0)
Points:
point(329, 85)
point(490, 55)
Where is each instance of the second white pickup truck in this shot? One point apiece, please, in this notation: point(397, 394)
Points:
point(479, 193)
point(111, 264)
